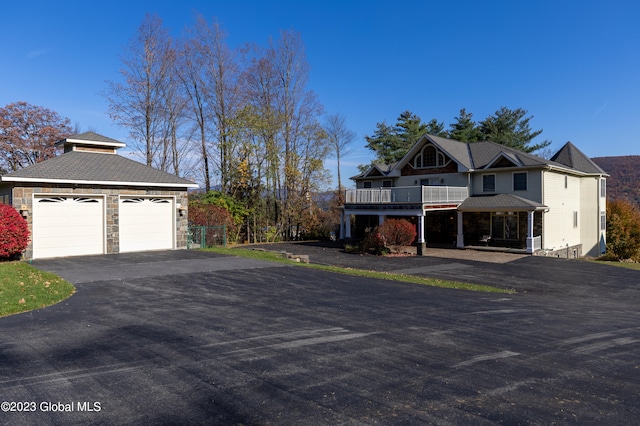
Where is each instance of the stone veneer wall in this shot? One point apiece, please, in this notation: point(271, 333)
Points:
point(570, 252)
point(23, 195)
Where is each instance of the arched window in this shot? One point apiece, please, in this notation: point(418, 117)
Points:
point(429, 156)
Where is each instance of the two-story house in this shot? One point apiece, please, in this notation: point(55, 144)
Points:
point(486, 194)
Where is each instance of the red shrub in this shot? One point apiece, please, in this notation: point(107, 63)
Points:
point(204, 214)
point(14, 232)
point(397, 233)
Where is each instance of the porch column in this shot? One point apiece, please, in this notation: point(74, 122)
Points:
point(347, 218)
point(530, 242)
point(421, 245)
point(342, 224)
point(380, 219)
point(460, 239)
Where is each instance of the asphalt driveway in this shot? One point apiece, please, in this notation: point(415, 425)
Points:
point(186, 337)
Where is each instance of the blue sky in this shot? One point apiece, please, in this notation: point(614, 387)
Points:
point(574, 65)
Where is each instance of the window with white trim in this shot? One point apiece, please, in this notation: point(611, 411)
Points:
point(429, 156)
point(603, 188)
point(520, 181)
point(488, 183)
point(603, 221)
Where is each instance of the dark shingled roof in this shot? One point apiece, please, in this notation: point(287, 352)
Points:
point(477, 156)
point(499, 202)
point(572, 157)
point(80, 166)
point(91, 137)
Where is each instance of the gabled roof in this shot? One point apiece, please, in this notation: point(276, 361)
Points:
point(486, 154)
point(503, 156)
point(456, 150)
point(572, 157)
point(96, 168)
point(376, 170)
point(499, 203)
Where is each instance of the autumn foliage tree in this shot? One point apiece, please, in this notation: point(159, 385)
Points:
point(14, 232)
point(623, 230)
point(28, 134)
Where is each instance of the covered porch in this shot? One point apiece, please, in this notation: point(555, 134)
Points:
point(503, 222)
point(498, 222)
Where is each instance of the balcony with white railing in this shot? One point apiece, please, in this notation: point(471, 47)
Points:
point(408, 194)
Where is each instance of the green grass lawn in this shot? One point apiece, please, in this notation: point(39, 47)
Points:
point(25, 288)
point(628, 265)
point(434, 282)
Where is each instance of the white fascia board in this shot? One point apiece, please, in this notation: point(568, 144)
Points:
point(573, 172)
point(98, 182)
point(88, 142)
point(506, 156)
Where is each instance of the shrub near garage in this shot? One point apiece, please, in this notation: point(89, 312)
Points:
point(14, 233)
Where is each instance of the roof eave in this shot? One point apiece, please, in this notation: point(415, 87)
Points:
point(90, 142)
point(94, 182)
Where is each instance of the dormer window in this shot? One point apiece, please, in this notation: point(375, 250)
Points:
point(429, 156)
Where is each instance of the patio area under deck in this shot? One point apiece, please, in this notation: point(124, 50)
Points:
point(413, 249)
point(400, 201)
point(417, 201)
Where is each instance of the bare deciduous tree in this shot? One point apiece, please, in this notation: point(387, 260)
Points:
point(339, 137)
point(138, 103)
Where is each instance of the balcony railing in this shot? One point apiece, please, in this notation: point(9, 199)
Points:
point(408, 194)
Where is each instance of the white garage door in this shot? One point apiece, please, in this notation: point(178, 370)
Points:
point(146, 224)
point(67, 225)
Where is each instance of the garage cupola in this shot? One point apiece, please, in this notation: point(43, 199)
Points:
point(90, 142)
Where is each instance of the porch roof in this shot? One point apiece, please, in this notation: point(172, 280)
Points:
point(499, 203)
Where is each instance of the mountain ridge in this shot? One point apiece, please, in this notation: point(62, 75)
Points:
point(624, 176)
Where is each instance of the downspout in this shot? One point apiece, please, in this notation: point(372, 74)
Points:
point(543, 218)
point(601, 233)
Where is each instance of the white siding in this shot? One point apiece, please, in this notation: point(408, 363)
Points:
point(558, 229)
point(590, 215)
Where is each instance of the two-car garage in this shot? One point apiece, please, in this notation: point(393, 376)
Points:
point(73, 225)
point(90, 200)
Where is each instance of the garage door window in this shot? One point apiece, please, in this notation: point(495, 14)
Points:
point(67, 225)
point(146, 223)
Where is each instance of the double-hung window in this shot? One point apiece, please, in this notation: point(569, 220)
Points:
point(488, 183)
point(520, 181)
